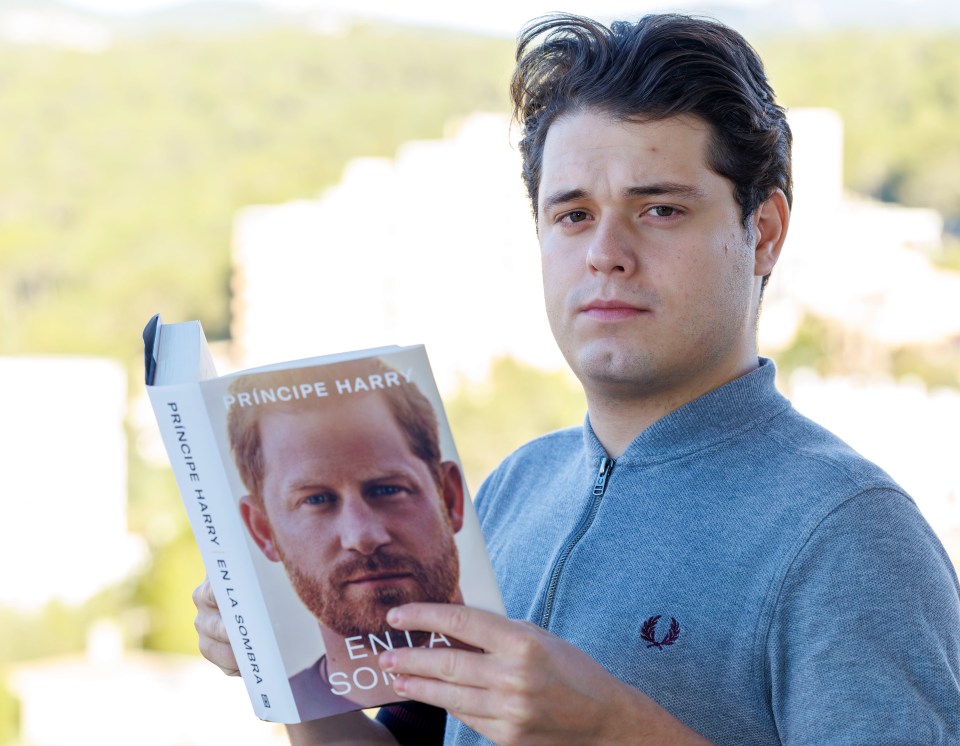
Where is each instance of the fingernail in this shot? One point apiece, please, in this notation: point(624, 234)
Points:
point(393, 617)
point(387, 661)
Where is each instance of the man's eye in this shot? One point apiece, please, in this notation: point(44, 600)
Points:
point(320, 498)
point(384, 490)
point(575, 216)
point(663, 211)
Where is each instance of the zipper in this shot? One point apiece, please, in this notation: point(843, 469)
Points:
point(599, 487)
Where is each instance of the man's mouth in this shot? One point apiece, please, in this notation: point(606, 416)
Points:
point(611, 310)
point(376, 578)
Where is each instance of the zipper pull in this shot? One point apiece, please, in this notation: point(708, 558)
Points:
point(600, 485)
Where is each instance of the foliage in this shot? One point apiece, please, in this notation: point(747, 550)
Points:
point(897, 93)
point(949, 258)
point(830, 349)
point(515, 404)
point(9, 715)
point(811, 347)
point(164, 590)
point(57, 628)
point(936, 367)
point(121, 171)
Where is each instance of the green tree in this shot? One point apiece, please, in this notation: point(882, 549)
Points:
point(516, 403)
point(9, 715)
point(164, 590)
point(897, 93)
point(120, 172)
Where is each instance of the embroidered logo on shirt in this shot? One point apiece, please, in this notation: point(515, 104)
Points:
point(648, 632)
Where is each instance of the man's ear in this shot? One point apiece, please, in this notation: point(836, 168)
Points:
point(770, 222)
point(451, 482)
point(257, 523)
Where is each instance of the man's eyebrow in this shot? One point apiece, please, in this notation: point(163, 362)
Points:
point(306, 483)
point(658, 189)
point(385, 476)
point(365, 480)
point(562, 197)
point(665, 189)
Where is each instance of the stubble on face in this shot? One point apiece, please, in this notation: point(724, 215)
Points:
point(688, 276)
point(330, 597)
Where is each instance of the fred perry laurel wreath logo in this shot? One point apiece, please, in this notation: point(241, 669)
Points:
point(648, 632)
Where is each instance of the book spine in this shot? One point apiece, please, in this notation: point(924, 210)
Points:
point(199, 471)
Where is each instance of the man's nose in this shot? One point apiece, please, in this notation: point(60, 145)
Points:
point(613, 246)
point(362, 529)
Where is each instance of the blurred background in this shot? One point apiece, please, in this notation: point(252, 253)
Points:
point(308, 177)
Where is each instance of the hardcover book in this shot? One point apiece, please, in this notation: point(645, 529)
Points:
point(322, 493)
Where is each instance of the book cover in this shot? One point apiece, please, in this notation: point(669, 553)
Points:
point(322, 492)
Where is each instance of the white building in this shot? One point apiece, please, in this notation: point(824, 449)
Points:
point(435, 246)
point(862, 264)
point(63, 479)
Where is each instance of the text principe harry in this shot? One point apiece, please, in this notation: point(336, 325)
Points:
point(318, 389)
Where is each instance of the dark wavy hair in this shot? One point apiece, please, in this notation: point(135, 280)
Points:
point(661, 66)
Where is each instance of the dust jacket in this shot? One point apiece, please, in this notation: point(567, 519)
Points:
point(321, 492)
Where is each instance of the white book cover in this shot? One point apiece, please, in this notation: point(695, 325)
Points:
point(322, 492)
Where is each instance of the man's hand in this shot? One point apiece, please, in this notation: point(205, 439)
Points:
point(348, 729)
point(214, 643)
point(529, 687)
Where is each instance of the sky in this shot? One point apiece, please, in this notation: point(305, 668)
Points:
point(424, 8)
point(496, 16)
point(506, 17)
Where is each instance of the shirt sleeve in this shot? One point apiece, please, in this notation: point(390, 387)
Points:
point(864, 645)
point(414, 723)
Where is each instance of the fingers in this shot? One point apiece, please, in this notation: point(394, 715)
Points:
point(203, 596)
point(463, 683)
point(480, 629)
point(460, 701)
point(211, 632)
point(495, 699)
point(507, 654)
point(474, 683)
point(449, 666)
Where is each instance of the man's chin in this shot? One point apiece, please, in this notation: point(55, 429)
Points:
point(370, 601)
point(360, 608)
point(353, 617)
point(352, 620)
point(375, 627)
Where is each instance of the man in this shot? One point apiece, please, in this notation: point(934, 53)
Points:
point(698, 563)
point(350, 493)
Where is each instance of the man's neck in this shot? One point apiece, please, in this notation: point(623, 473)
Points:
point(617, 424)
point(617, 418)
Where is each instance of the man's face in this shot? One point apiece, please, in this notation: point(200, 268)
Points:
point(650, 278)
point(357, 519)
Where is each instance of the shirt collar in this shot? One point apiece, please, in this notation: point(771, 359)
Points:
point(716, 416)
